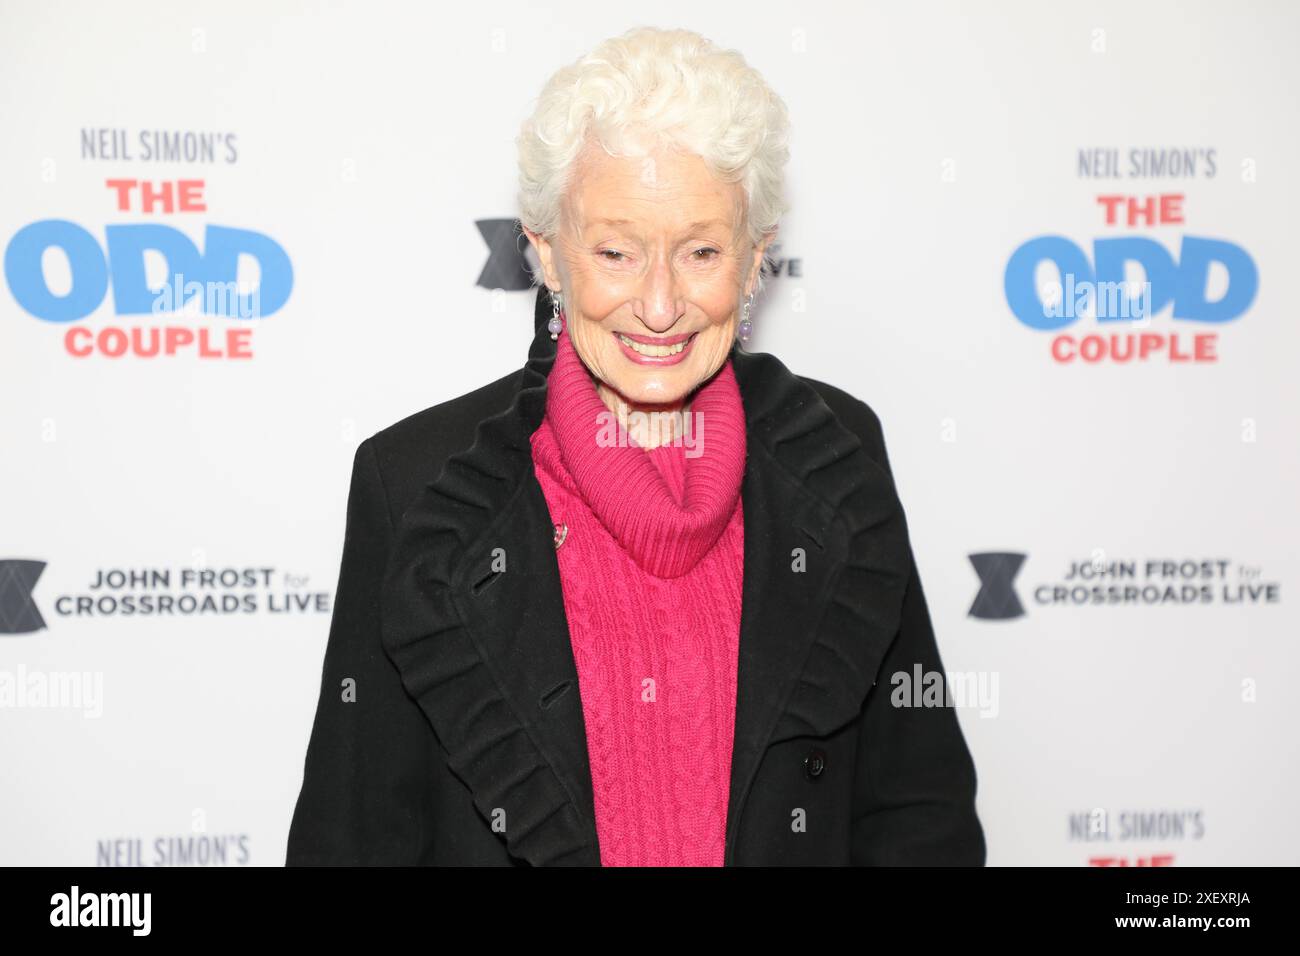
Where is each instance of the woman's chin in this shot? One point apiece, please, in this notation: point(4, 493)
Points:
point(650, 396)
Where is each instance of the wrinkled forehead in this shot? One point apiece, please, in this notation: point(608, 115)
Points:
point(666, 191)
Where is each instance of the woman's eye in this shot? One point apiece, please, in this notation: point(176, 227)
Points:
point(613, 255)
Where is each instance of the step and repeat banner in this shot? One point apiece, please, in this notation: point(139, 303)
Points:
point(1051, 244)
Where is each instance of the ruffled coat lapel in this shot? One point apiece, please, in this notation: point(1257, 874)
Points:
point(473, 612)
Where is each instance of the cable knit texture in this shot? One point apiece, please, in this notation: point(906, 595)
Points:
point(651, 570)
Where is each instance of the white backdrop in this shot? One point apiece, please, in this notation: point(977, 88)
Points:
point(365, 141)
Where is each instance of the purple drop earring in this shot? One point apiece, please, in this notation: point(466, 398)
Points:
point(746, 327)
point(556, 325)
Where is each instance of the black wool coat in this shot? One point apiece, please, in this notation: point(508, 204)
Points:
point(449, 729)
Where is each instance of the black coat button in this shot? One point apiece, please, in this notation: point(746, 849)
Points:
point(815, 763)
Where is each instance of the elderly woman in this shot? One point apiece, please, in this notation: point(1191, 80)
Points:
point(641, 602)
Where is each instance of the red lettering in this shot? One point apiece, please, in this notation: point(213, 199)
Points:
point(190, 195)
point(1163, 209)
point(154, 341)
point(1111, 205)
point(123, 188)
point(150, 195)
point(1125, 347)
point(185, 195)
point(1146, 209)
point(1148, 342)
point(1057, 344)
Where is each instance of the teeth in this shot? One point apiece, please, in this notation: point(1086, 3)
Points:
point(653, 351)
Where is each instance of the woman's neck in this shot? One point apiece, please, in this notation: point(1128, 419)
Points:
point(666, 509)
point(648, 424)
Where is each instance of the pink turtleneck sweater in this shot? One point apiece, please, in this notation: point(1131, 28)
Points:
point(651, 570)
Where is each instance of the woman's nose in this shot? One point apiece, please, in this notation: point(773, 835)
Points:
point(660, 296)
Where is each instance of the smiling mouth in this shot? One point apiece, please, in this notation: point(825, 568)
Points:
point(655, 351)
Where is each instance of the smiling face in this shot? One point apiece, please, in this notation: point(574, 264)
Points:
point(654, 262)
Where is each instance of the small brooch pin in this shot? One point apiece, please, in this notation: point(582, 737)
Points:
point(561, 532)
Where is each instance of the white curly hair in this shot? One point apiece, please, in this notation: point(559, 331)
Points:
point(679, 88)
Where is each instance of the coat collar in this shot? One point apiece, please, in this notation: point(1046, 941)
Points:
point(474, 621)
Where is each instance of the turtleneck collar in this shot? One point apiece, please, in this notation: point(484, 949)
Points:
point(582, 445)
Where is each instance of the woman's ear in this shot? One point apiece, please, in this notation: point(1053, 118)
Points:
point(546, 256)
point(756, 265)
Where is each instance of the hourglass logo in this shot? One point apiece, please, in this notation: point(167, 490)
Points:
point(18, 611)
point(997, 599)
point(507, 266)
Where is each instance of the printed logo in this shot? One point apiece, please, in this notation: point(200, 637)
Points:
point(60, 272)
point(18, 611)
point(1099, 307)
point(997, 600)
